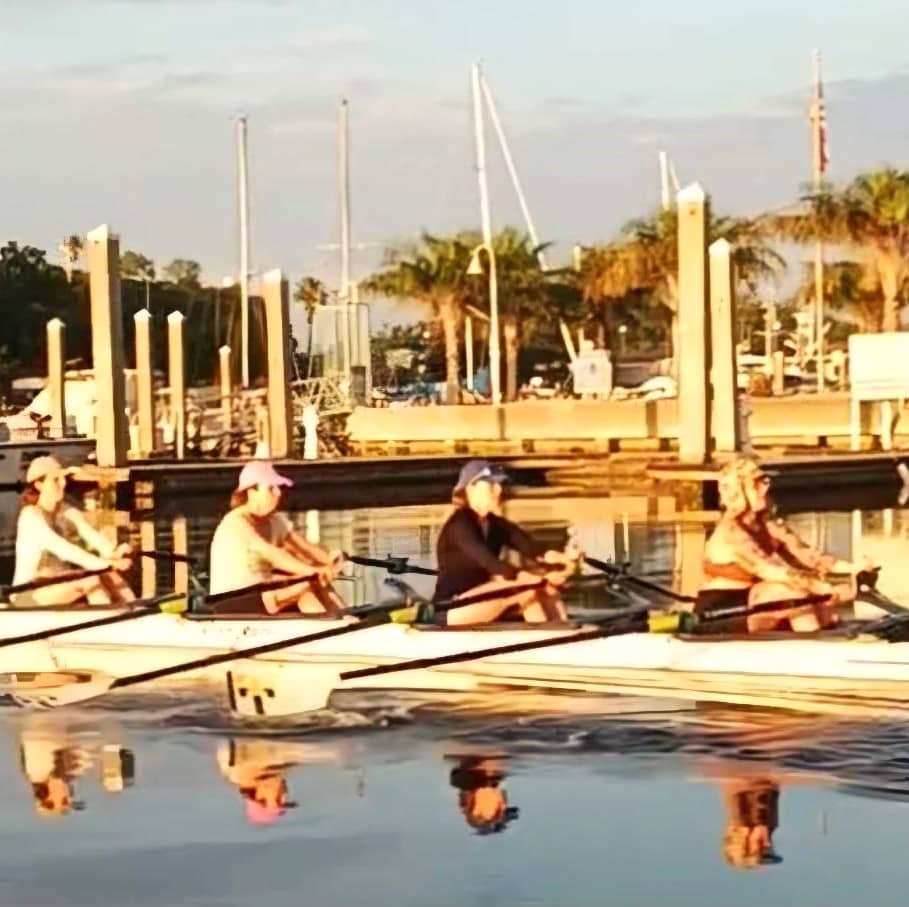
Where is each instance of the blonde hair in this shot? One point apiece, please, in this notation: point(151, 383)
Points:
point(731, 484)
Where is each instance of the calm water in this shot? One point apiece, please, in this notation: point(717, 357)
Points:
point(619, 801)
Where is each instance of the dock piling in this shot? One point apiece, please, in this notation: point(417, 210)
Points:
point(693, 326)
point(111, 429)
point(176, 381)
point(277, 335)
point(145, 400)
point(56, 377)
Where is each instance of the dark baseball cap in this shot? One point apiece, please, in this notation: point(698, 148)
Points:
point(480, 471)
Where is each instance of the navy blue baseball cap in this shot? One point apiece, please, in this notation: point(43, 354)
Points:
point(480, 471)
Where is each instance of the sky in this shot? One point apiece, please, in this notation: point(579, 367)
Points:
point(123, 112)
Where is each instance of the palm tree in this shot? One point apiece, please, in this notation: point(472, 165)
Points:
point(869, 215)
point(311, 293)
point(528, 296)
point(645, 259)
point(850, 288)
point(433, 271)
point(71, 249)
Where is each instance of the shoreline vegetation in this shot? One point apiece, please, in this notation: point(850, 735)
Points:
point(621, 293)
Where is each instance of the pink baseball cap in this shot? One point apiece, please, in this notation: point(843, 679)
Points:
point(261, 472)
point(260, 814)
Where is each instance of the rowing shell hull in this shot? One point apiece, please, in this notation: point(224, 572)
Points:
point(870, 674)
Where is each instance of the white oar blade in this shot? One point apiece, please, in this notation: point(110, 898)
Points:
point(52, 689)
point(260, 690)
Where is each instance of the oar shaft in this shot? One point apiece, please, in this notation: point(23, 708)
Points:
point(44, 581)
point(236, 654)
point(612, 570)
point(394, 565)
point(417, 663)
point(168, 556)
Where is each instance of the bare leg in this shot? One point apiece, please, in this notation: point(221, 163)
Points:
point(117, 587)
point(807, 618)
point(308, 597)
point(89, 589)
point(536, 605)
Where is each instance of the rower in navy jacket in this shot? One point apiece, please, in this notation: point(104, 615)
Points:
point(469, 556)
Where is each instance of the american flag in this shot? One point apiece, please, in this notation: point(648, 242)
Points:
point(818, 118)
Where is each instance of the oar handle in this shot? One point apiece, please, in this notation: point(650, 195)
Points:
point(395, 565)
point(267, 586)
point(44, 581)
point(620, 573)
point(168, 556)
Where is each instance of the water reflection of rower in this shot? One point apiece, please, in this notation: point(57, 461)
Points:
point(752, 816)
point(258, 770)
point(482, 799)
point(51, 762)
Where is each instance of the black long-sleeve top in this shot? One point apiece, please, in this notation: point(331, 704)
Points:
point(469, 548)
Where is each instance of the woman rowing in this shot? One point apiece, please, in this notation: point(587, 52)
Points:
point(752, 559)
point(53, 538)
point(255, 545)
point(470, 563)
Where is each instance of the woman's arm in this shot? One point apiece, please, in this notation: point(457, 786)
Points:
point(95, 540)
point(278, 557)
point(301, 547)
point(40, 534)
point(748, 555)
point(802, 554)
point(462, 537)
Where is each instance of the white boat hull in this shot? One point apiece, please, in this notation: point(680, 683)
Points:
point(869, 674)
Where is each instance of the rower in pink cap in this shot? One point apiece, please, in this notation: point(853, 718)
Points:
point(255, 544)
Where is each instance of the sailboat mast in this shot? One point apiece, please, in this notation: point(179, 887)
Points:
point(512, 170)
point(480, 143)
point(344, 195)
point(243, 191)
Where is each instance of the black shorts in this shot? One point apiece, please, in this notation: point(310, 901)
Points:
point(719, 599)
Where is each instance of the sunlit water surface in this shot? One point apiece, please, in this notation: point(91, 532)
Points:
point(613, 801)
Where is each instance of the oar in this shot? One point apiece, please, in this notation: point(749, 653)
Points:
point(395, 565)
point(866, 583)
point(620, 573)
point(169, 604)
point(662, 622)
point(372, 616)
point(43, 581)
point(168, 556)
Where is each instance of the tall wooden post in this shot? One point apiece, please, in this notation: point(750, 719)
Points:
point(176, 380)
point(149, 564)
point(694, 329)
point(181, 546)
point(226, 387)
point(723, 369)
point(277, 334)
point(56, 377)
point(145, 395)
point(111, 429)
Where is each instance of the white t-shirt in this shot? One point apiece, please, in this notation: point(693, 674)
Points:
point(42, 546)
point(234, 562)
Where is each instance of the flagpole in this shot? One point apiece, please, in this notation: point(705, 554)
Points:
point(818, 164)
